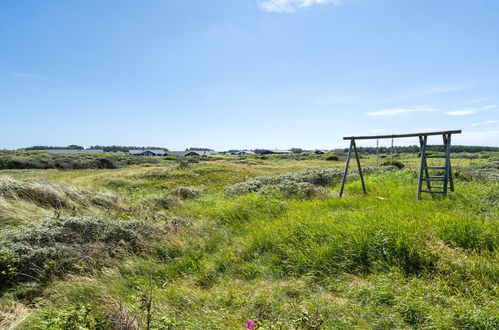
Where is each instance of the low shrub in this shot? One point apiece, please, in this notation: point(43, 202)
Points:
point(55, 246)
point(156, 174)
point(187, 192)
point(332, 158)
point(42, 160)
point(76, 317)
point(48, 194)
point(487, 172)
point(163, 202)
point(397, 163)
point(104, 200)
point(42, 193)
point(293, 189)
point(317, 177)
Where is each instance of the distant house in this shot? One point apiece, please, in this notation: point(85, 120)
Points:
point(73, 151)
point(321, 152)
point(193, 153)
point(147, 152)
point(242, 153)
point(280, 152)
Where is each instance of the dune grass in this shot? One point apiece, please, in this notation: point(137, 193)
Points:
point(285, 261)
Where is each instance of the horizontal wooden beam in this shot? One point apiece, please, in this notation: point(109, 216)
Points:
point(395, 136)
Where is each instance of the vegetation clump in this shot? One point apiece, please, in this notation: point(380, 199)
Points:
point(157, 173)
point(187, 192)
point(55, 246)
point(48, 194)
point(397, 163)
point(41, 160)
point(163, 202)
point(486, 172)
point(312, 177)
point(306, 183)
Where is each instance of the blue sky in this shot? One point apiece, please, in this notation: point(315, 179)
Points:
point(246, 73)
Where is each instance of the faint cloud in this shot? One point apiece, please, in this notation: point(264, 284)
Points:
point(27, 76)
point(399, 111)
point(470, 111)
point(460, 112)
point(289, 6)
point(488, 122)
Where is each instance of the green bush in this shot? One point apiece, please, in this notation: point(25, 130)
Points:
point(293, 189)
point(55, 246)
point(331, 158)
point(163, 202)
point(397, 163)
point(81, 317)
point(187, 192)
point(315, 177)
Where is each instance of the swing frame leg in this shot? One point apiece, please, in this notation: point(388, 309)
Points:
point(346, 168)
point(353, 147)
point(360, 167)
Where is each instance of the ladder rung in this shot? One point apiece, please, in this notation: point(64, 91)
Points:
point(434, 179)
point(435, 145)
point(432, 191)
point(435, 156)
point(437, 187)
point(435, 167)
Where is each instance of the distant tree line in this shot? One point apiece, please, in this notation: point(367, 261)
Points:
point(71, 146)
point(415, 148)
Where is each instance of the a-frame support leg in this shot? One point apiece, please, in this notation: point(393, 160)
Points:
point(451, 179)
point(346, 168)
point(426, 172)
point(447, 174)
point(359, 167)
point(423, 140)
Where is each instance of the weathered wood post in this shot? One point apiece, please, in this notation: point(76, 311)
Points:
point(346, 167)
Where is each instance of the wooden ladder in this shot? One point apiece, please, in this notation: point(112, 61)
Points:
point(431, 178)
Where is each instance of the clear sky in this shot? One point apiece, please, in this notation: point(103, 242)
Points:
point(246, 73)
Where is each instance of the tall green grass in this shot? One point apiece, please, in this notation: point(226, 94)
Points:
point(384, 260)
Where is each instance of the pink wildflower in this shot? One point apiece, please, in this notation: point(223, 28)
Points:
point(250, 325)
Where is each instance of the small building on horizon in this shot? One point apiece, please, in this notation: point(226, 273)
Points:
point(193, 153)
point(148, 152)
point(243, 153)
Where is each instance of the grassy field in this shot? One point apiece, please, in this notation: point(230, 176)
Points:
point(213, 245)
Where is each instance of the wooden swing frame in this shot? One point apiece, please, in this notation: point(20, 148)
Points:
point(423, 138)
